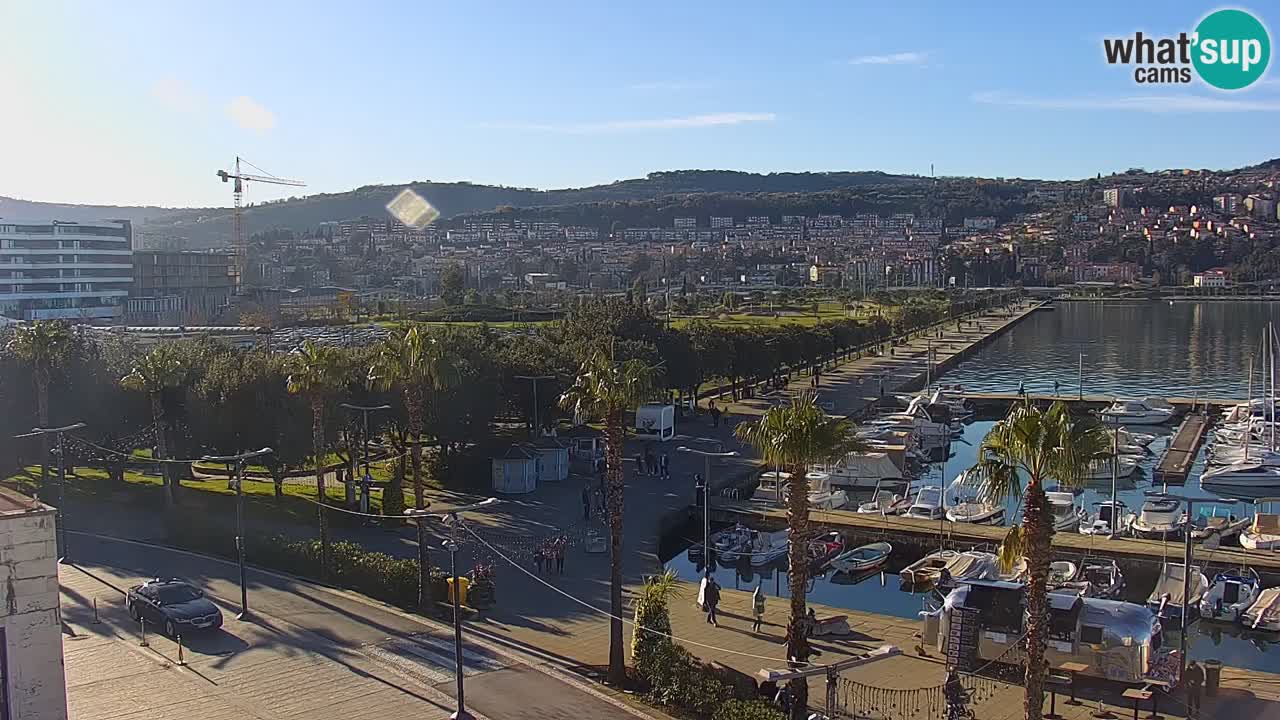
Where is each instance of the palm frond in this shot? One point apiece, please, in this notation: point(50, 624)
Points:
point(1012, 548)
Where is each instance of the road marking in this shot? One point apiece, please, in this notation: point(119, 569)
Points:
point(428, 660)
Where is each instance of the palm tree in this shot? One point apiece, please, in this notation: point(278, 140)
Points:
point(45, 346)
point(415, 362)
point(159, 371)
point(607, 389)
point(795, 437)
point(318, 372)
point(1038, 445)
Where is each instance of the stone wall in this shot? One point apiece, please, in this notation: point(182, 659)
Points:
point(36, 686)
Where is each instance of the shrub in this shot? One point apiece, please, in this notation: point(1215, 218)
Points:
point(648, 648)
point(748, 710)
point(679, 679)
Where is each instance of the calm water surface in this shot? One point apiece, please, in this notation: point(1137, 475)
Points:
point(1131, 350)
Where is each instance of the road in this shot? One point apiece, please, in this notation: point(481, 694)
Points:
point(310, 652)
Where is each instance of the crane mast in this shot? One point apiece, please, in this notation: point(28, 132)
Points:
point(240, 246)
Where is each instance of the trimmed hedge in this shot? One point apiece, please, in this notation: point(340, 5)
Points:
point(748, 710)
point(378, 575)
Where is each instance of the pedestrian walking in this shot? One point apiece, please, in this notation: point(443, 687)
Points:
point(1194, 679)
point(650, 463)
point(711, 410)
point(664, 466)
point(586, 503)
point(715, 417)
point(560, 544)
point(539, 557)
point(711, 600)
point(1022, 388)
point(639, 464)
point(757, 609)
point(1055, 387)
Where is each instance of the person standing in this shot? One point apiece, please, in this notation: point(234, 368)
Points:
point(559, 550)
point(1055, 388)
point(757, 609)
point(711, 410)
point(664, 464)
point(715, 417)
point(1194, 680)
point(539, 557)
point(586, 503)
point(711, 600)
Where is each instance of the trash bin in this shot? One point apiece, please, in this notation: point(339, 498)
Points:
point(1212, 676)
point(463, 583)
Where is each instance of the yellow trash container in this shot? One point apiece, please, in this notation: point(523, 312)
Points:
point(463, 584)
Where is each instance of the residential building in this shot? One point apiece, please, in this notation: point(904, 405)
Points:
point(180, 288)
point(1210, 279)
point(1261, 206)
point(720, 223)
point(1227, 203)
point(828, 275)
point(32, 682)
point(1116, 197)
point(74, 271)
point(685, 223)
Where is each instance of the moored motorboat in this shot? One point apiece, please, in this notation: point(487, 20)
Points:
point(1216, 528)
point(1243, 474)
point(882, 501)
point(1111, 517)
point(928, 568)
point(970, 565)
point(1264, 613)
point(725, 544)
point(1167, 596)
point(1159, 519)
point(978, 512)
point(823, 548)
point(767, 547)
point(861, 559)
point(1263, 533)
point(927, 504)
point(1062, 505)
point(1230, 595)
point(1104, 578)
point(1148, 411)
point(1062, 572)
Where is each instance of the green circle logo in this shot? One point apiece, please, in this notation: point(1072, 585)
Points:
point(1232, 49)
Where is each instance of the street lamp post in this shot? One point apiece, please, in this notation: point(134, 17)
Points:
point(454, 522)
point(533, 379)
point(237, 478)
point(62, 480)
point(706, 499)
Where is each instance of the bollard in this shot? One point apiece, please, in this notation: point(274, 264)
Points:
point(181, 660)
point(142, 622)
point(96, 621)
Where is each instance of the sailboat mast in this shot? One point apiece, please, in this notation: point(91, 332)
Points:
point(1248, 423)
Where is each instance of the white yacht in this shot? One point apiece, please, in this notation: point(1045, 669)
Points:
point(1136, 439)
point(1159, 519)
point(1062, 505)
point(1229, 596)
point(1125, 465)
point(970, 508)
point(930, 422)
point(1148, 411)
point(864, 470)
point(1250, 474)
point(822, 493)
point(884, 502)
point(1110, 517)
point(927, 505)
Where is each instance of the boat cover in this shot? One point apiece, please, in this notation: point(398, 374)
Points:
point(1170, 582)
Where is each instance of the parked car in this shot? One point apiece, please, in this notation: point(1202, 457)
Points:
point(175, 606)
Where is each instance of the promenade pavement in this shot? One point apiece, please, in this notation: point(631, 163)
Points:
point(309, 652)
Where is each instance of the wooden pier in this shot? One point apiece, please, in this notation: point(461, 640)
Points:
point(928, 534)
point(995, 400)
point(1181, 453)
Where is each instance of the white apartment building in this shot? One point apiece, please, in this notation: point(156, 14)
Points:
point(32, 681)
point(74, 271)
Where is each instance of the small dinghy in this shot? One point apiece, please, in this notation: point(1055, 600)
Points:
point(863, 558)
point(1062, 572)
point(927, 569)
point(1229, 596)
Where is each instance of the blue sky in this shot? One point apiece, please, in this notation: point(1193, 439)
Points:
point(140, 102)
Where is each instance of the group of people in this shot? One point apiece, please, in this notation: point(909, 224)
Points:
point(709, 600)
point(653, 465)
point(549, 555)
point(592, 501)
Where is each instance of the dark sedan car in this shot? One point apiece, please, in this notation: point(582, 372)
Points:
point(173, 605)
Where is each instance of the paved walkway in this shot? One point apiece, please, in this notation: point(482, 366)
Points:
point(309, 653)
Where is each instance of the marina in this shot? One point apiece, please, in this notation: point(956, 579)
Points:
point(1162, 443)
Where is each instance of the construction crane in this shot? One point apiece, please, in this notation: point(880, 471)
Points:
point(241, 247)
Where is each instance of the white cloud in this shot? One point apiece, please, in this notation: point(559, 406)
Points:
point(248, 114)
point(902, 58)
point(667, 85)
point(1138, 103)
point(616, 126)
point(177, 94)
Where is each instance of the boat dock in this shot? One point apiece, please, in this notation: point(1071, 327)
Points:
point(926, 535)
point(998, 401)
point(1181, 453)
